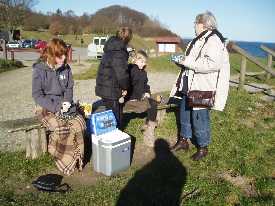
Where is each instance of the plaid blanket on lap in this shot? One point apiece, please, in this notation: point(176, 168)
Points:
point(66, 142)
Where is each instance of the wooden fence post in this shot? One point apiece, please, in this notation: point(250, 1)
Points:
point(4, 48)
point(70, 54)
point(269, 64)
point(12, 55)
point(242, 74)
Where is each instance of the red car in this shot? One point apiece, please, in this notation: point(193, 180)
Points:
point(40, 44)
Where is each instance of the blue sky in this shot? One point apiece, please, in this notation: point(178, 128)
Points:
point(247, 20)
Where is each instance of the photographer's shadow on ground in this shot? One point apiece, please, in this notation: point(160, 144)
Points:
point(160, 182)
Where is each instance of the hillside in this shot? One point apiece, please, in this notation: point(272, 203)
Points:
point(104, 21)
point(109, 18)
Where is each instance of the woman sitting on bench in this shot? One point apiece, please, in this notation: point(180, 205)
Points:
point(52, 90)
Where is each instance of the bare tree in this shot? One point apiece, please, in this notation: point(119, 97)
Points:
point(35, 21)
point(57, 27)
point(12, 12)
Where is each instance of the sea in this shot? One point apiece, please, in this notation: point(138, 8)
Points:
point(254, 49)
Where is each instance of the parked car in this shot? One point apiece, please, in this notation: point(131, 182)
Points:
point(13, 44)
point(28, 43)
point(95, 49)
point(40, 44)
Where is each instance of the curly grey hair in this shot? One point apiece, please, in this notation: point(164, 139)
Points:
point(208, 20)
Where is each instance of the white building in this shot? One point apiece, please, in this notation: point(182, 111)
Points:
point(168, 44)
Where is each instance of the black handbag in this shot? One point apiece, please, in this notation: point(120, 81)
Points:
point(51, 183)
point(204, 99)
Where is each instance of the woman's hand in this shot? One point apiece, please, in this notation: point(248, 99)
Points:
point(181, 62)
point(124, 93)
point(65, 107)
point(146, 95)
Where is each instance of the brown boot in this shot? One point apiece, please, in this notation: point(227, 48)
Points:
point(149, 134)
point(182, 143)
point(201, 153)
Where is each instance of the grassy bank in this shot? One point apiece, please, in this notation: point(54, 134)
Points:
point(137, 41)
point(243, 139)
point(89, 73)
point(6, 65)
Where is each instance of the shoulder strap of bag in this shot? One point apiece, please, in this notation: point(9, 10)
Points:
point(211, 34)
point(206, 39)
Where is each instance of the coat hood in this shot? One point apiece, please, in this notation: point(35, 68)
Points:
point(114, 44)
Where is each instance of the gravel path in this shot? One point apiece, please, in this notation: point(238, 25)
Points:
point(16, 101)
point(32, 56)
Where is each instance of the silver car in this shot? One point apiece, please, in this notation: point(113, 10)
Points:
point(13, 44)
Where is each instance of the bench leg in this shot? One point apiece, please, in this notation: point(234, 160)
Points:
point(149, 134)
point(43, 140)
point(160, 116)
point(36, 143)
point(28, 144)
point(35, 147)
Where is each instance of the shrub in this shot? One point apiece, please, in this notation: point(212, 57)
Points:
point(6, 65)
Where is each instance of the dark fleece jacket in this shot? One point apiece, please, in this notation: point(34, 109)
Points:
point(139, 82)
point(52, 87)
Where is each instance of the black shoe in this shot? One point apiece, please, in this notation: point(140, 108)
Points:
point(201, 153)
point(182, 143)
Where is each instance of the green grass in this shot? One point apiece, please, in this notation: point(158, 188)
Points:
point(235, 63)
point(6, 65)
point(45, 35)
point(137, 41)
point(243, 139)
point(142, 43)
point(89, 73)
point(162, 64)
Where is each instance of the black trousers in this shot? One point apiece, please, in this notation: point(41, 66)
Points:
point(116, 107)
point(146, 105)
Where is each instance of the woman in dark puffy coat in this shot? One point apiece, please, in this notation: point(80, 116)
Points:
point(112, 79)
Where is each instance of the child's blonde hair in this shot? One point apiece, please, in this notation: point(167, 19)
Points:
point(141, 54)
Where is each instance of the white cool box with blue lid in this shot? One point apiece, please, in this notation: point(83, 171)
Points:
point(111, 148)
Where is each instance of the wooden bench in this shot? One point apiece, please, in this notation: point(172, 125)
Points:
point(36, 137)
point(165, 104)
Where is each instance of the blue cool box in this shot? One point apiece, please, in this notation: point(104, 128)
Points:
point(102, 122)
point(111, 147)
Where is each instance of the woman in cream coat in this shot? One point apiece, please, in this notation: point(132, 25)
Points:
point(205, 68)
